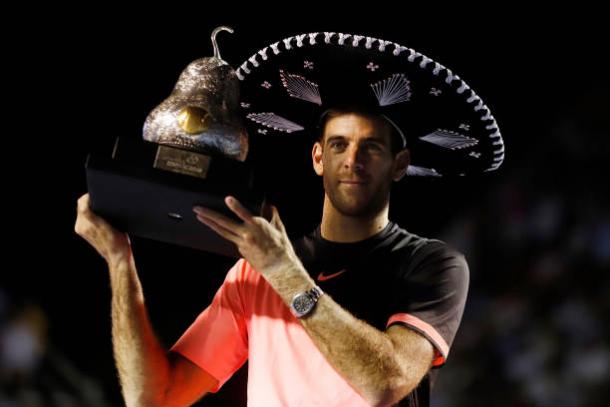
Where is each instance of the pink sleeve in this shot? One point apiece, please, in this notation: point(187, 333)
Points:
point(217, 341)
point(441, 349)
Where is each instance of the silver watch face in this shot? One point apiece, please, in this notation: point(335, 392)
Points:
point(302, 304)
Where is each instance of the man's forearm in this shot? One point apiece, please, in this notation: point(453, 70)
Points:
point(141, 361)
point(363, 355)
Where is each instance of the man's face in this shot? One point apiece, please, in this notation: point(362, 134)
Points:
point(357, 164)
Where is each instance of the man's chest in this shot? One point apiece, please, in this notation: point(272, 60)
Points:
point(365, 284)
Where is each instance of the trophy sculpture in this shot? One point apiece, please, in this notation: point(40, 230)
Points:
point(192, 152)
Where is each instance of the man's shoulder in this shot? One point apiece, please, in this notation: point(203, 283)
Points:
point(418, 252)
point(417, 245)
point(426, 244)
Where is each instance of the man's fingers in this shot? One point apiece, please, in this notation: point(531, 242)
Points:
point(84, 211)
point(267, 211)
point(271, 213)
point(83, 219)
point(277, 221)
point(240, 210)
point(83, 203)
point(227, 234)
point(218, 218)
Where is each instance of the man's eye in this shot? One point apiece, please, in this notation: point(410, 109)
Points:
point(334, 144)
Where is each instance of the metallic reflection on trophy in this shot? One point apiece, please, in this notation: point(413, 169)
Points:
point(192, 152)
point(202, 112)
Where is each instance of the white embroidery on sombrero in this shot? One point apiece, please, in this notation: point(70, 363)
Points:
point(287, 42)
point(395, 89)
point(437, 69)
point(369, 42)
point(462, 88)
point(435, 92)
point(300, 40)
point(425, 61)
point(464, 126)
point(372, 66)
point(496, 134)
point(253, 61)
point(399, 48)
point(299, 87)
point(356, 40)
point(474, 154)
point(275, 122)
point(275, 48)
point(413, 56)
point(449, 77)
point(263, 53)
point(343, 37)
point(312, 38)
point(449, 139)
point(383, 44)
point(414, 170)
point(499, 153)
point(327, 37)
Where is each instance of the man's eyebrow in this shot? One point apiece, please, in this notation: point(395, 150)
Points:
point(375, 139)
point(331, 138)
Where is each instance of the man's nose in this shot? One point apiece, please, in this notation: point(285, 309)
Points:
point(355, 158)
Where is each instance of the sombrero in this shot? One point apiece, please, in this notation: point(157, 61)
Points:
point(288, 85)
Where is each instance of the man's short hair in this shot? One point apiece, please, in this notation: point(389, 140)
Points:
point(396, 140)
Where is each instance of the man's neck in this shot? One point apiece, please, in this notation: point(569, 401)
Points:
point(338, 227)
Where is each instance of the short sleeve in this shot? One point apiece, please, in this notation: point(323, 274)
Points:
point(431, 296)
point(217, 340)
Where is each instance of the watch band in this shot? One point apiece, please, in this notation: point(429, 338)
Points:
point(315, 292)
point(303, 303)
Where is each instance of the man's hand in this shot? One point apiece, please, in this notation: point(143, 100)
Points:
point(111, 244)
point(264, 244)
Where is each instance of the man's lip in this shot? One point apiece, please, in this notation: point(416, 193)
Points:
point(353, 182)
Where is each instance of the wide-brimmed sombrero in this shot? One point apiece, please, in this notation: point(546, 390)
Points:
point(288, 85)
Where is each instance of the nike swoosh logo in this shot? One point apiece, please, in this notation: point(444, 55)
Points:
point(322, 277)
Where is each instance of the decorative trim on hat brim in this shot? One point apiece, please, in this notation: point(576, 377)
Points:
point(370, 43)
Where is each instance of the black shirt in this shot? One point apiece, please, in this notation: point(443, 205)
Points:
point(418, 282)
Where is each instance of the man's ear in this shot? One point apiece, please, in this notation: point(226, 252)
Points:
point(316, 157)
point(401, 163)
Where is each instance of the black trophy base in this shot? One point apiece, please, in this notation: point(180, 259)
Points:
point(148, 190)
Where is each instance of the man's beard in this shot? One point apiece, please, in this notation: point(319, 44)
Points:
point(365, 210)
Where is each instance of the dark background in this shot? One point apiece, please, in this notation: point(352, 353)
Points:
point(536, 232)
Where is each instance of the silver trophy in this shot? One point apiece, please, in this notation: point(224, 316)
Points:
point(202, 112)
point(192, 152)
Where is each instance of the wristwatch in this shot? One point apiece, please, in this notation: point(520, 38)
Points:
point(304, 302)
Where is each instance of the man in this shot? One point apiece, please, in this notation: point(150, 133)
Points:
point(357, 313)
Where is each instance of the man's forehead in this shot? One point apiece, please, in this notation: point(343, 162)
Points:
point(352, 124)
point(355, 117)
